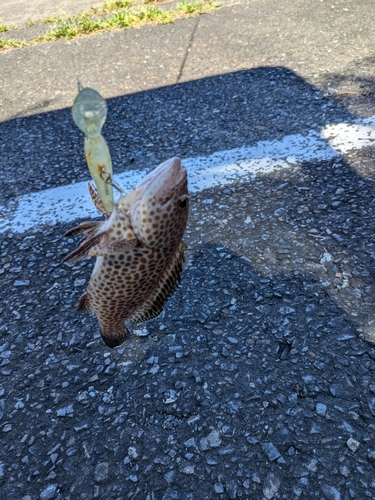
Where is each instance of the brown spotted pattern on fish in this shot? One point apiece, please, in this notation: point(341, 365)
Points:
point(139, 252)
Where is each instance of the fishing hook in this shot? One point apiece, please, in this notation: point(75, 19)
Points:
point(108, 180)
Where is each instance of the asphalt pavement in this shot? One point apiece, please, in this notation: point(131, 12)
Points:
point(259, 379)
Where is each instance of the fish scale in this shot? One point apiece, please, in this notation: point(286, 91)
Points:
point(139, 252)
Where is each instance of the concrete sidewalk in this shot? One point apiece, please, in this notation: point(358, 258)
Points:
point(19, 12)
point(317, 41)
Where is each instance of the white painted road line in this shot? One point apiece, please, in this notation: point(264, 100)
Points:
point(71, 202)
point(344, 137)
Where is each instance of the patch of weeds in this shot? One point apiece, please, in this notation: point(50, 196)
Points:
point(30, 23)
point(63, 29)
point(196, 7)
point(73, 27)
point(132, 18)
point(155, 15)
point(122, 19)
point(111, 6)
point(11, 43)
point(50, 20)
point(3, 28)
point(154, 1)
point(85, 23)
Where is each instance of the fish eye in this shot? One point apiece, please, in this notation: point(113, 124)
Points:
point(182, 203)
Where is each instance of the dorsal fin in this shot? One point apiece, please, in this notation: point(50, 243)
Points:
point(96, 200)
point(154, 305)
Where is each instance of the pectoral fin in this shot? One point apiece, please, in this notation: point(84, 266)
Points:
point(86, 228)
point(82, 252)
point(113, 247)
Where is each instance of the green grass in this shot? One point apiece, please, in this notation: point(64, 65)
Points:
point(11, 43)
point(155, 1)
point(50, 20)
point(111, 6)
point(147, 15)
point(71, 28)
point(82, 24)
point(86, 22)
point(195, 7)
point(4, 28)
point(107, 8)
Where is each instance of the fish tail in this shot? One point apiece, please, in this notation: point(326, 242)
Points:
point(115, 338)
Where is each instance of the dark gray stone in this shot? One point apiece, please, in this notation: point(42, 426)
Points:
point(102, 472)
point(271, 485)
point(271, 451)
point(49, 492)
point(330, 492)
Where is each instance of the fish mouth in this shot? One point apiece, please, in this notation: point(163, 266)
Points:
point(168, 176)
point(171, 176)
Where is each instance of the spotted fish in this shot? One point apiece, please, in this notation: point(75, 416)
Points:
point(139, 252)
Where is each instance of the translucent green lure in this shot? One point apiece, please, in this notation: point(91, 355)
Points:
point(89, 113)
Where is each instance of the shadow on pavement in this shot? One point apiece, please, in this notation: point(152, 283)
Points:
point(187, 120)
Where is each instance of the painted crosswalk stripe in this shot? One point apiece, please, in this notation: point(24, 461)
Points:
point(71, 202)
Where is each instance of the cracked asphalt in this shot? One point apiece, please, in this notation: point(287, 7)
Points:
point(258, 382)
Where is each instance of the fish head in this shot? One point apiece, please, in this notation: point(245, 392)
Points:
point(160, 205)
